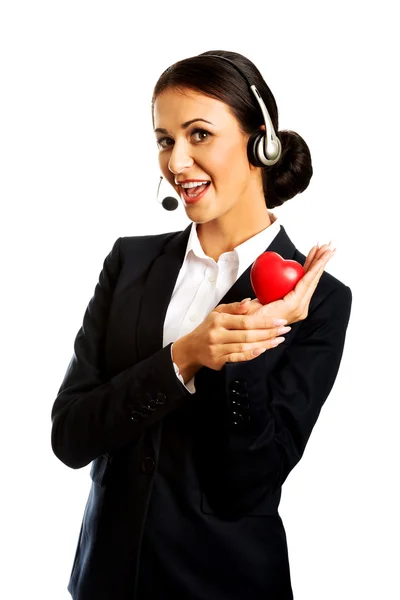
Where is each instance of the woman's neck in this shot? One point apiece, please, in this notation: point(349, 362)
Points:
point(217, 237)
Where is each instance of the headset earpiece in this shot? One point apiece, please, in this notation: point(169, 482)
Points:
point(252, 148)
point(262, 152)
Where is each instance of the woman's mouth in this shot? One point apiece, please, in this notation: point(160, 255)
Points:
point(194, 194)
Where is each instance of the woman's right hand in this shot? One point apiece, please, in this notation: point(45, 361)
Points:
point(228, 335)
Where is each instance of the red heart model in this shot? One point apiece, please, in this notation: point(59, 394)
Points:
point(272, 277)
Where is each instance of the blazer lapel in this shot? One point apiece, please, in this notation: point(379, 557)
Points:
point(157, 294)
point(242, 287)
point(161, 281)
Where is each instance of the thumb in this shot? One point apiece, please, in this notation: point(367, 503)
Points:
point(233, 307)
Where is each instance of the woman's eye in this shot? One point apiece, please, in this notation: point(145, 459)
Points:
point(163, 142)
point(201, 133)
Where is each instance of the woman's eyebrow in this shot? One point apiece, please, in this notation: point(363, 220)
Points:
point(184, 125)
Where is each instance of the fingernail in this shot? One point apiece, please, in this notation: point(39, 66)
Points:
point(258, 351)
point(279, 321)
point(283, 330)
point(277, 340)
point(245, 300)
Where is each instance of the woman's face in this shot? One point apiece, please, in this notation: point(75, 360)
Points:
point(200, 139)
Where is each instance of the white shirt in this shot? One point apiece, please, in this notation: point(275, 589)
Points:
point(202, 282)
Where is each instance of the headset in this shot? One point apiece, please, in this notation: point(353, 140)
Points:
point(264, 149)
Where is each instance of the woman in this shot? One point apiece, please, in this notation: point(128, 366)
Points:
point(190, 403)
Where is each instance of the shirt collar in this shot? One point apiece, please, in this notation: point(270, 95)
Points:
point(244, 254)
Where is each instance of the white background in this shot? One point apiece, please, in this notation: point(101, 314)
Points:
point(79, 168)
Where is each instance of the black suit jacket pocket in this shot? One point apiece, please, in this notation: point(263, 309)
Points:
point(268, 506)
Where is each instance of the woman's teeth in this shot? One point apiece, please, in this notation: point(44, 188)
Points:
point(190, 184)
point(199, 186)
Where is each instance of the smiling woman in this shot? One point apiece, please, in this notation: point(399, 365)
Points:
point(192, 406)
point(226, 150)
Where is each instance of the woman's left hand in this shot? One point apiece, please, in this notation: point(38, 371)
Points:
point(294, 306)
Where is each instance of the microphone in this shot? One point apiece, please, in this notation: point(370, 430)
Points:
point(169, 203)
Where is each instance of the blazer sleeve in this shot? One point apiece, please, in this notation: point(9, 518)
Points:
point(93, 415)
point(263, 416)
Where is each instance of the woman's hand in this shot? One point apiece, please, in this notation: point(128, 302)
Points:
point(240, 331)
point(228, 335)
point(294, 306)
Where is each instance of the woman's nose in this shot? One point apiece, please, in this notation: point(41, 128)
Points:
point(179, 159)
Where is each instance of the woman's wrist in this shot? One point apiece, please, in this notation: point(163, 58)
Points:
point(182, 356)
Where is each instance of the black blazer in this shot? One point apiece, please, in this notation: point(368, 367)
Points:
point(185, 488)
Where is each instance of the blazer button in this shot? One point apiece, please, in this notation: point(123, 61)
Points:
point(148, 464)
point(145, 411)
point(161, 398)
point(136, 416)
point(237, 387)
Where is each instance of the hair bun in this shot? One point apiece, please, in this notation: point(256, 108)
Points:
point(292, 173)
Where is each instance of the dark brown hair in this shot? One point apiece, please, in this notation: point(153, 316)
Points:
point(218, 79)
